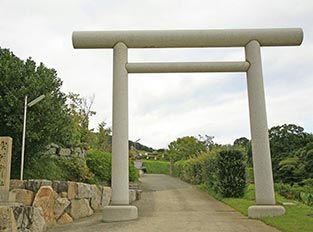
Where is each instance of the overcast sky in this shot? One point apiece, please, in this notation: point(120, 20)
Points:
point(163, 107)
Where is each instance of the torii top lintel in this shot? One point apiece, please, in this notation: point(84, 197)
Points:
point(188, 38)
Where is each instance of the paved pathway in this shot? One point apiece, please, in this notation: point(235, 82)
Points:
point(170, 205)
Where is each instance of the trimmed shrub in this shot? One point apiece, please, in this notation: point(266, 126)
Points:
point(231, 173)
point(223, 170)
point(100, 163)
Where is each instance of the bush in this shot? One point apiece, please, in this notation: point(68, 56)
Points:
point(100, 163)
point(45, 167)
point(50, 167)
point(231, 173)
point(223, 170)
point(296, 192)
point(76, 169)
point(157, 167)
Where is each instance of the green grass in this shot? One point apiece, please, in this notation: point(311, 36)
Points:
point(157, 166)
point(298, 218)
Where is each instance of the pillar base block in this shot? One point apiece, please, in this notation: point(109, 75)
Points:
point(118, 213)
point(260, 211)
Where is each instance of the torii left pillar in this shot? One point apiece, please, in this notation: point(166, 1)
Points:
point(120, 210)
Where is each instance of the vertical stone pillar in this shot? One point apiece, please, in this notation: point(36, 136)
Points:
point(120, 210)
point(120, 158)
point(5, 167)
point(262, 164)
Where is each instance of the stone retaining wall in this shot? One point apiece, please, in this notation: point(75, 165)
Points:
point(40, 204)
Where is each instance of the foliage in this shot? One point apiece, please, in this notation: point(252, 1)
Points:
point(50, 167)
point(76, 169)
point(223, 170)
point(189, 170)
point(242, 142)
point(38, 169)
point(157, 167)
point(101, 140)
point(133, 172)
point(231, 173)
point(284, 140)
point(185, 148)
point(80, 110)
point(47, 121)
point(100, 163)
point(303, 194)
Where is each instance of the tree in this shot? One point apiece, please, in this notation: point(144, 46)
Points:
point(242, 142)
point(47, 121)
point(185, 148)
point(80, 110)
point(284, 141)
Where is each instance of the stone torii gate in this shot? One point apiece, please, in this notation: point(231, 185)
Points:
point(250, 39)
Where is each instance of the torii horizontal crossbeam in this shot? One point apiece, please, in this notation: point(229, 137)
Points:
point(186, 67)
point(188, 38)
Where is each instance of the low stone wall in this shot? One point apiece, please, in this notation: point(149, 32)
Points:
point(40, 204)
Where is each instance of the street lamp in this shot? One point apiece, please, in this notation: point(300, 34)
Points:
point(33, 102)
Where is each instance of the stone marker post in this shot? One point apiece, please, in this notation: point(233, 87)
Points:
point(5, 167)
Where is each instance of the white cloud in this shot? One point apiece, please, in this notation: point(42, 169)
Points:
point(166, 106)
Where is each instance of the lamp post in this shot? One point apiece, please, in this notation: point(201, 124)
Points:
point(33, 102)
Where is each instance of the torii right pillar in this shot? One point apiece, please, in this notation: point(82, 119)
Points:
point(262, 165)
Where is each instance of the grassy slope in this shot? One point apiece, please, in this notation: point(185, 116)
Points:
point(157, 167)
point(296, 219)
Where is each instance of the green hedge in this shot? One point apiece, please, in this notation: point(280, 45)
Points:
point(99, 162)
point(157, 166)
point(223, 170)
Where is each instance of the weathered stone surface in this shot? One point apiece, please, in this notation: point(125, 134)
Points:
point(8, 223)
point(64, 152)
point(80, 152)
point(65, 219)
point(45, 198)
point(83, 191)
point(5, 167)
point(96, 195)
point(29, 218)
point(17, 184)
point(59, 186)
point(138, 194)
point(132, 195)
point(80, 208)
point(23, 196)
point(106, 196)
point(63, 195)
point(71, 190)
point(34, 185)
point(38, 221)
point(60, 205)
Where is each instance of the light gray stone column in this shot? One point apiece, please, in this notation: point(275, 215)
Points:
point(120, 210)
point(120, 127)
point(262, 164)
point(5, 167)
